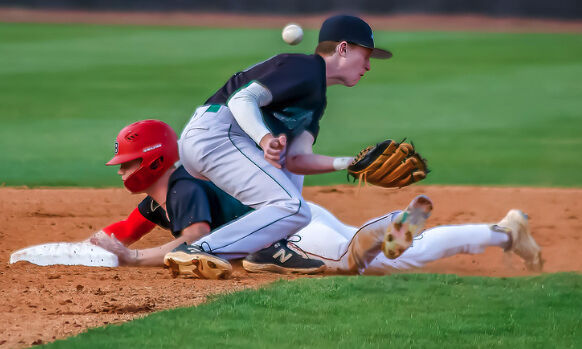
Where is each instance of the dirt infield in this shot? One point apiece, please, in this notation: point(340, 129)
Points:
point(389, 22)
point(40, 304)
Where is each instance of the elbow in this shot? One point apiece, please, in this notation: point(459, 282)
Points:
point(292, 164)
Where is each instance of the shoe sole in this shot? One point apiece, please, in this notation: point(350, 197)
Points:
point(406, 226)
point(273, 268)
point(537, 265)
point(202, 266)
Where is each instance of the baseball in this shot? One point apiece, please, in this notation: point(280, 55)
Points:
point(292, 34)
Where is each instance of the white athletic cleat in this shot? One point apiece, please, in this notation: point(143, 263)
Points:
point(516, 225)
point(191, 260)
point(406, 226)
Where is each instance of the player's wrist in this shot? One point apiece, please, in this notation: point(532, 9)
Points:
point(265, 140)
point(135, 256)
point(342, 163)
point(130, 257)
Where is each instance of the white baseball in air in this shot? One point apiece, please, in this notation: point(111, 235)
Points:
point(292, 34)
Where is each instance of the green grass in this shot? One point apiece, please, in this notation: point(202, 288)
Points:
point(490, 109)
point(416, 310)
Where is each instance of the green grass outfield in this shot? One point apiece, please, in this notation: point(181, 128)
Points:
point(487, 109)
point(422, 310)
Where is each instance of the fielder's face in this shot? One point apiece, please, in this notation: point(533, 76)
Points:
point(354, 64)
point(126, 169)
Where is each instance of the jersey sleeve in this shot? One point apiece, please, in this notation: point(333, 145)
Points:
point(187, 204)
point(290, 80)
point(131, 229)
point(153, 212)
point(313, 127)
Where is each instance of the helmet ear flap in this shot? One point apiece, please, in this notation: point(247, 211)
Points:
point(157, 163)
point(145, 175)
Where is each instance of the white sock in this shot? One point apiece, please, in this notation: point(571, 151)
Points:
point(500, 239)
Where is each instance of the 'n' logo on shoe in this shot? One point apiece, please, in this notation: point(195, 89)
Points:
point(282, 256)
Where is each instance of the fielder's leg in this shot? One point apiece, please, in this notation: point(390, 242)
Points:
point(214, 146)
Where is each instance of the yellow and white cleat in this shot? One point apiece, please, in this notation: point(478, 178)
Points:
point(191, 260)
point(516, 225)
point(405, 226)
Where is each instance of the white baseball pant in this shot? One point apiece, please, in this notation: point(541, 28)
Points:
point(213, 145)
point(348, 249)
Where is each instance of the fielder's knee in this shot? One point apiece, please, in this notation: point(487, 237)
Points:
point(304, 213)
point(297, 211)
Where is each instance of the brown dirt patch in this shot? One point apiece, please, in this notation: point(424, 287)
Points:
point(227, 20)
point(41, 304)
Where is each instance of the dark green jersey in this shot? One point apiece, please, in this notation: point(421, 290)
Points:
point(297, 83)
point(190, 200)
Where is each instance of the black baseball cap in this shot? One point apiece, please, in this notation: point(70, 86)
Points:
point(353, 30)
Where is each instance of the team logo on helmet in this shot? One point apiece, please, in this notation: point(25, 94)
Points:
point(152, 147)
point(116, 148)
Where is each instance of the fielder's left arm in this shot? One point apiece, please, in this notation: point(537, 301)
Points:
point(301, 159)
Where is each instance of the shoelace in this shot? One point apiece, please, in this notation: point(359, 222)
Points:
point(293, 243)
point(208, 249)
point(298, 237)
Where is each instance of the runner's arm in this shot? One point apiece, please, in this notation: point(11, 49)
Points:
point(153, 256)
point(129, 230)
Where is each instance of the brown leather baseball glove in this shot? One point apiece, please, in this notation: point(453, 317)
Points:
point(389, 164)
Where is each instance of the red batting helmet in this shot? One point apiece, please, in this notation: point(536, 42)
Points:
point(152, 141)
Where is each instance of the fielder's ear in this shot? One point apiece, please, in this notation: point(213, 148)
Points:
point(342, 48)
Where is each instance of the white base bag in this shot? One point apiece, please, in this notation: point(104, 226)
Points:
point(66, 253)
